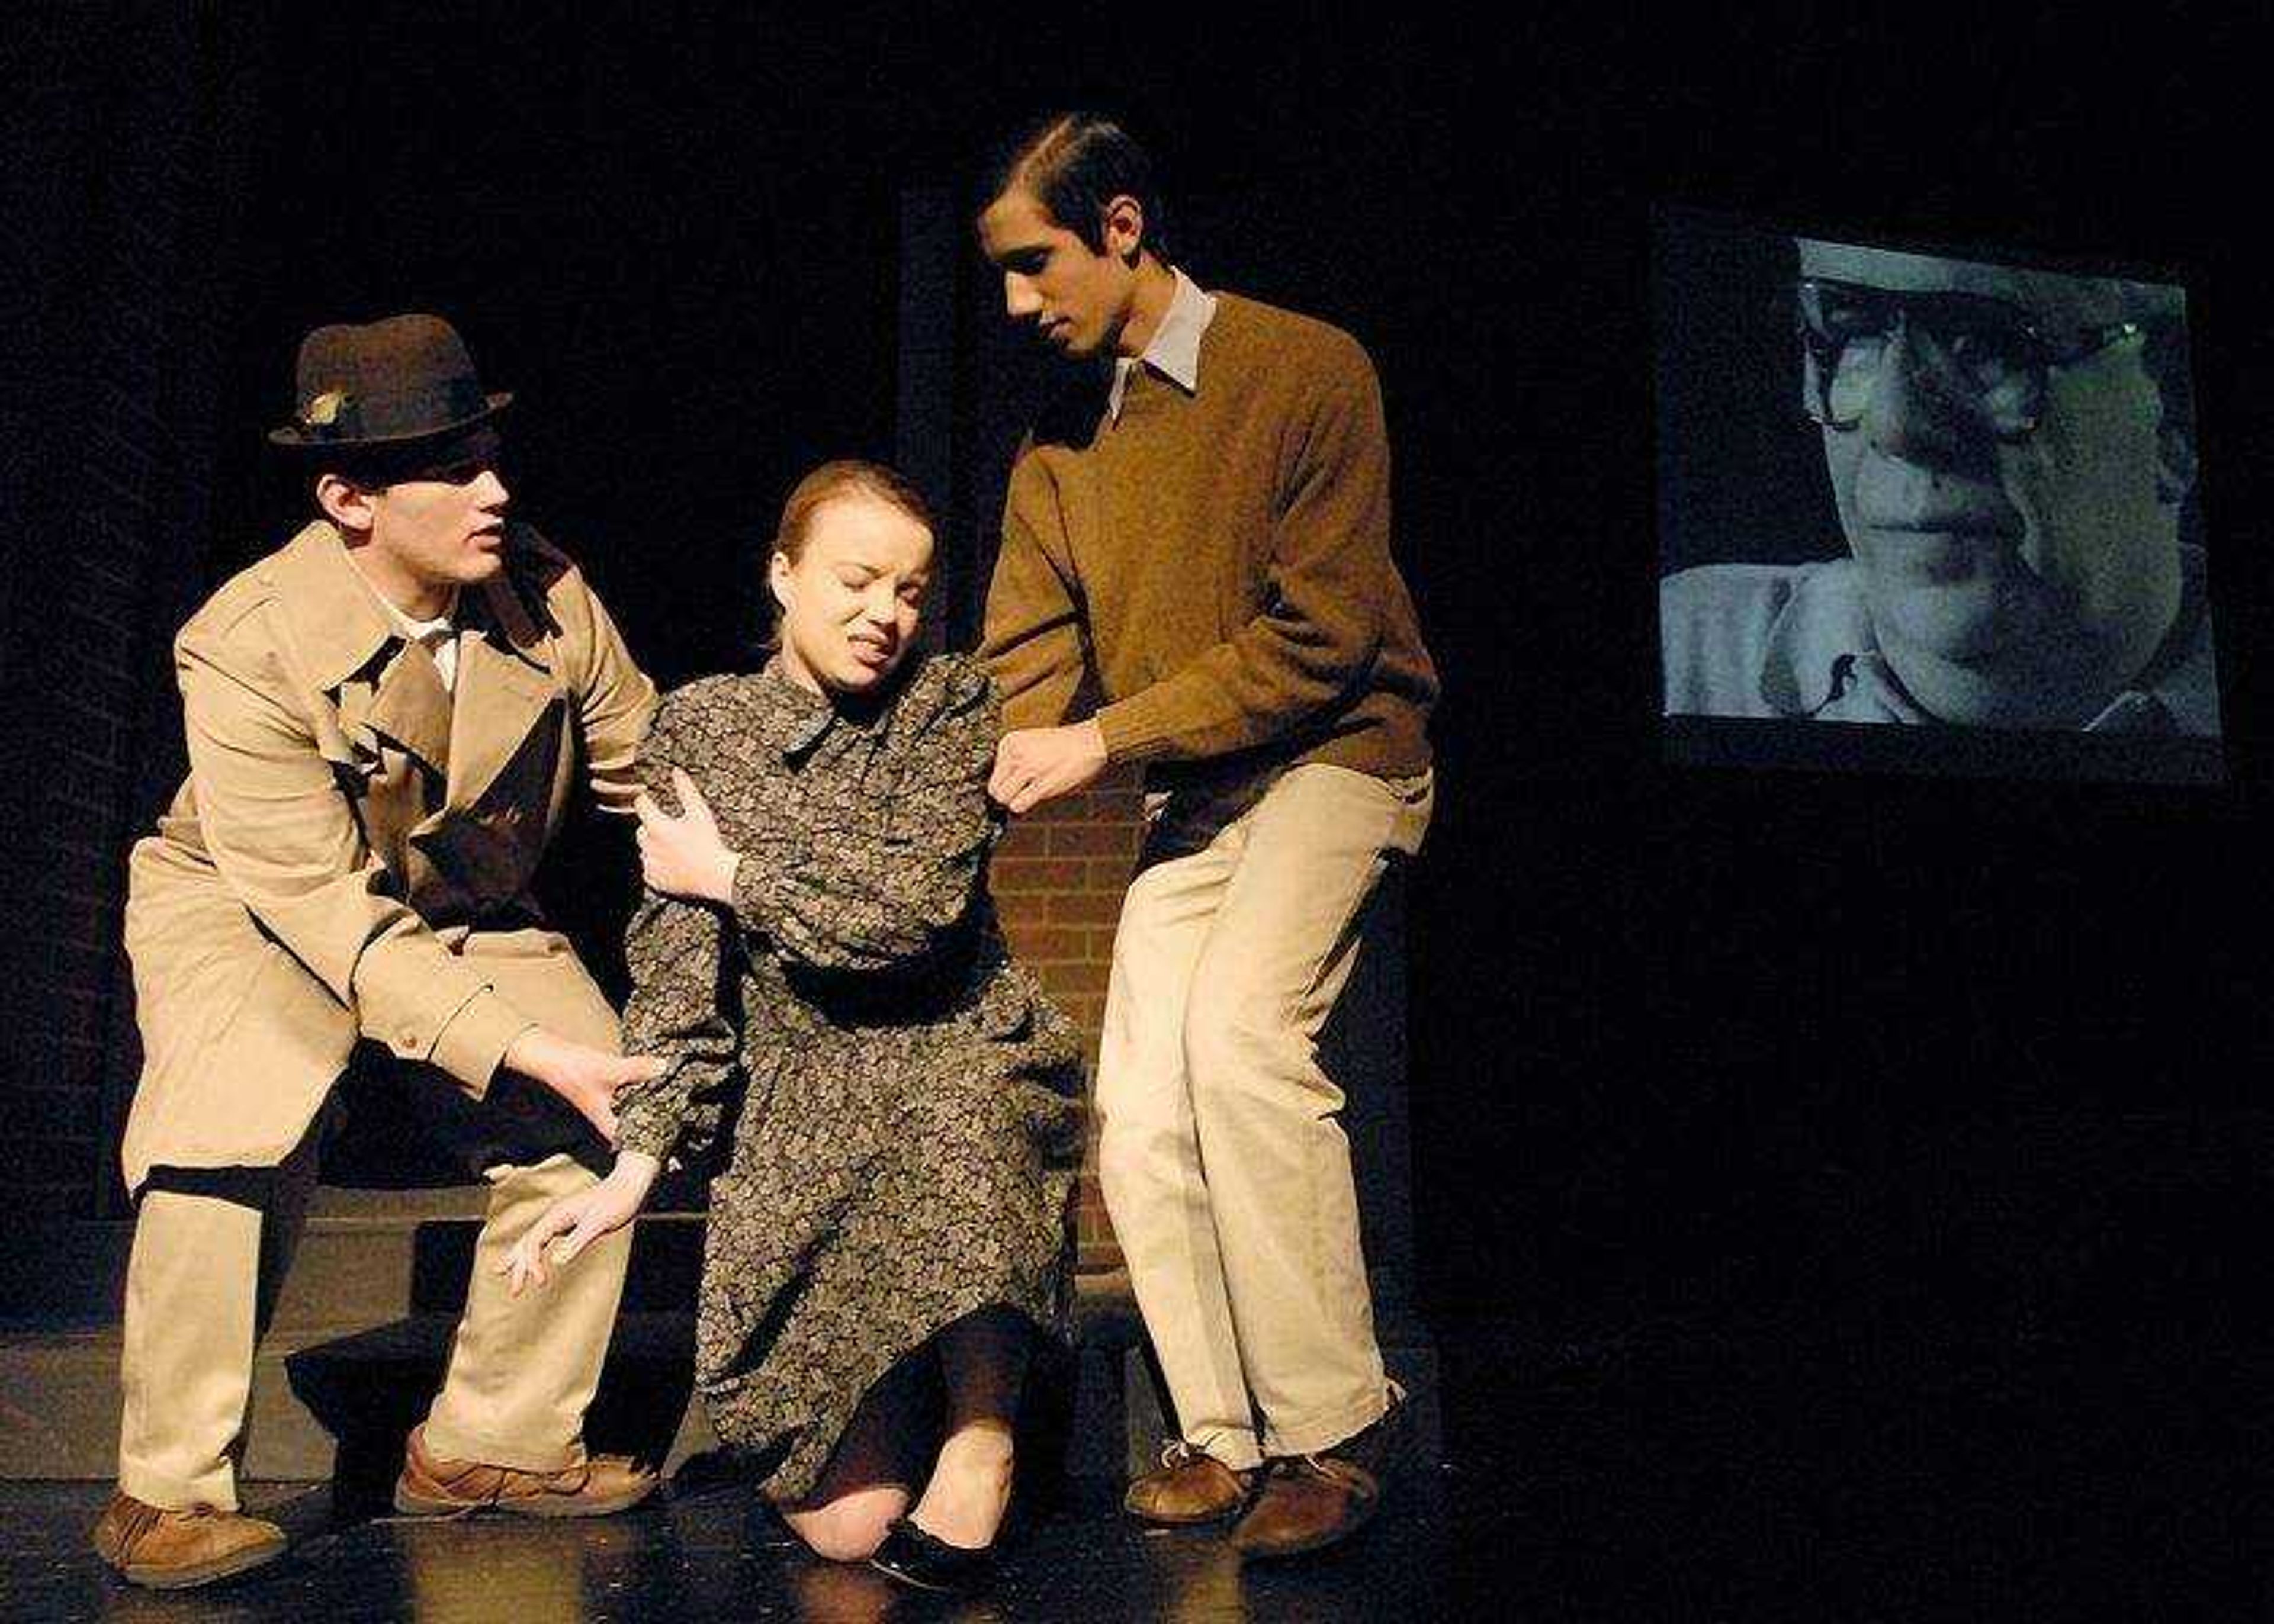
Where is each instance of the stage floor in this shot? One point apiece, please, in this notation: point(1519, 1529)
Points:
point(1866, 1462)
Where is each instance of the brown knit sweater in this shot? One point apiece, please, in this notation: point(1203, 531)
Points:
point(1220, 560)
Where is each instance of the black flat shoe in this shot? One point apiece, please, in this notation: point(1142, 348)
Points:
point(928, 1563)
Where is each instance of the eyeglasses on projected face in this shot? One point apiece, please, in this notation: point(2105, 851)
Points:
point(1985, 353)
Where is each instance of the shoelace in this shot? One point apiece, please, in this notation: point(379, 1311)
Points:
point(140, 1520)
point(1397, 1397)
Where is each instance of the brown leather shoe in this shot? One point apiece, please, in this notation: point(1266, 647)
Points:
point(431, 1486)
point(1311, 1501)
point(175, 1549)
point(1189, 1487)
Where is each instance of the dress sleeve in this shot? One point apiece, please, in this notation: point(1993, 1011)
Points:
point(882, 895)
point(684, 1008)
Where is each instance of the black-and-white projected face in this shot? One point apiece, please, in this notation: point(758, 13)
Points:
point(1941, 492)
point(1996, 447)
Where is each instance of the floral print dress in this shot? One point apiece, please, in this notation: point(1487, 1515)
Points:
point(893, 1107)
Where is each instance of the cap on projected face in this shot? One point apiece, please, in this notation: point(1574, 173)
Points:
point(1993, 438)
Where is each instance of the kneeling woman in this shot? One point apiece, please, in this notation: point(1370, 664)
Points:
point(817, 957)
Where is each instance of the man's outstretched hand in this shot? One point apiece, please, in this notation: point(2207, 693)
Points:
point(585, 1077)
point(1035, 764)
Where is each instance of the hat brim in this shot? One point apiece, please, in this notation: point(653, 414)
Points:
point(292, 438)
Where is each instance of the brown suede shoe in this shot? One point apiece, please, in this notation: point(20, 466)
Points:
point(433, 1487)
point(1189, 1487)
point(175, 1549)
point(1311, 1501)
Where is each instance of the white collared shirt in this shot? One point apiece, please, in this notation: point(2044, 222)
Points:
point(1797, 641)
point(1175, 349)
point(439, 636)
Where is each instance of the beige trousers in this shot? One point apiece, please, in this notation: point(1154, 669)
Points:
point(1226, 1172)
point(204, 1277)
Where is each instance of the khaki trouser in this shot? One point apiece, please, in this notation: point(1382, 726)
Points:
point(204, 1277)
point(1225, 1171)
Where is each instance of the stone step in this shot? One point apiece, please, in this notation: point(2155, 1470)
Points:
point(322, 1400)
point(369, 1258)
point(355, 1270)
point(365, 1257)
point(332, 1404)
point(327, 1401)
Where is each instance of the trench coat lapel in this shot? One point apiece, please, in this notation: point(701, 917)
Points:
point(342, 632)
point(506, 687)
point(411, 706)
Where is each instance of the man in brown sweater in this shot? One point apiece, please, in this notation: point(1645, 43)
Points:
point(1200, 520)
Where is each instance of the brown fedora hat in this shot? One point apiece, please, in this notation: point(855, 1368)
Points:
point(385, 383)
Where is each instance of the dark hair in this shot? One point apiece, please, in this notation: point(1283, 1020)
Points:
point(375, 467)
point(1074, 164)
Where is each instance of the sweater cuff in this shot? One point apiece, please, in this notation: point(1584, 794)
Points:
point(1131, 732)
point(472, 1042)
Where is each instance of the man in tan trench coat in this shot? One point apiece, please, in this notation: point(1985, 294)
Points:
point(387, 719)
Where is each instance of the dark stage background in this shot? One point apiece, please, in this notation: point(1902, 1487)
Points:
point(1985, 1054)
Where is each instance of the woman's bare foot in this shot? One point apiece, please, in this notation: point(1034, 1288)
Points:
point(865, 1484)
point(848, 1527)
point(970, 1487)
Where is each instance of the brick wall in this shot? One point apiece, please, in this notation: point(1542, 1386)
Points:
point(1058, 878)
point(128, 296)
